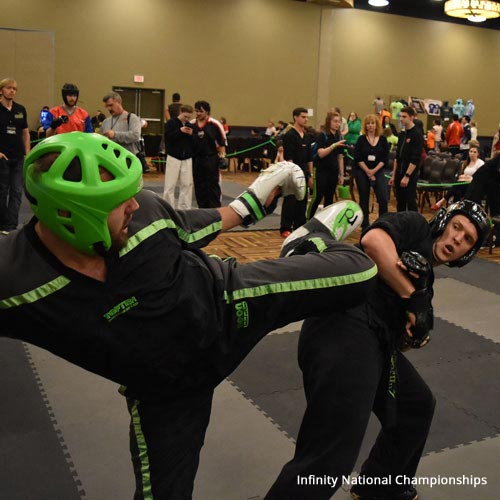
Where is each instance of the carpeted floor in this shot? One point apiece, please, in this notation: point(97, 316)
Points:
point(64, 432)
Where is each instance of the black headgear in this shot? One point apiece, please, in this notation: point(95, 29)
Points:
point(475, 214)
point(69, 89)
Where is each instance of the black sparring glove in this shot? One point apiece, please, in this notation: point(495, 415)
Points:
point(223, 163)
point(420, 304)
point(56, 122)
point(419, 265)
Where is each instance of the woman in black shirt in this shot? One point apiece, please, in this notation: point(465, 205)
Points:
point(328, 163)
point(370, 156)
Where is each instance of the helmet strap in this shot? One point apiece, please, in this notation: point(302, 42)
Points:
point(100, 249)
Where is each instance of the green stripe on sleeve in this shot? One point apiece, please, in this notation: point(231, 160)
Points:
point(36, 294)
point(161, 224)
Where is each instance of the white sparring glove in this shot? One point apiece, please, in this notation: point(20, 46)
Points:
point(249, 205)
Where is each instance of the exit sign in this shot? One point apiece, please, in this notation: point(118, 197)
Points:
point(139, 78)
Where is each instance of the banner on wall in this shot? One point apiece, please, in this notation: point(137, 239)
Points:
point(417, 104)
point(430, 106)
point(433, 107)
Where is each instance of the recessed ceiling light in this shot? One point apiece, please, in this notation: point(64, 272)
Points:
point(378, 3)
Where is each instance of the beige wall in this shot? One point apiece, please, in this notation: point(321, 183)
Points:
point(258, 59)
point(28, 57)
point(393, 55)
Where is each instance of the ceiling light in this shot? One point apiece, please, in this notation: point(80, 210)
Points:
point(475, 11)
point(378, 3)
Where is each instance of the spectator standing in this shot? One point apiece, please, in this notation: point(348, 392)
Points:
point(344, 129)
point(405, 171)
point(297, 149)
point(437, 128)
point(121, 127)
point(466, 137)
point(179, 164)
point(454, 134)
point(69, 117)
point(40, 130)
point(225, 126)
point(371, 155)
point(209, 141)
point(386, 123)
point(328, 165)
point(174, 107)
point(14, 144)
point(353, 129)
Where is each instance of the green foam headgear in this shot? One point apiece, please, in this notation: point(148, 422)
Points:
point(75, 202)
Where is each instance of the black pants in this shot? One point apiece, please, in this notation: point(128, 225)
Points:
point(206, 179)
point(325, 183)
point(11, 192)
point(406, 198)
point(252, 300)
point(486, 182)
point(345, 370)
point(380, 186)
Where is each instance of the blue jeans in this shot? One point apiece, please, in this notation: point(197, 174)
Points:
point(11, 190)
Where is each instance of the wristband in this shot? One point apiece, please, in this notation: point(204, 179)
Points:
point(407, 175)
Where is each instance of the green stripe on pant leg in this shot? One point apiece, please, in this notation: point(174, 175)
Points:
point(301, 285)
point(143, 452)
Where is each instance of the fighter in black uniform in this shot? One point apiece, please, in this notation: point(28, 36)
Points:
point(352, 361)
point(112, 279)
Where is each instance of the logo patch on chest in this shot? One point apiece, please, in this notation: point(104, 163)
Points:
point(121, 308)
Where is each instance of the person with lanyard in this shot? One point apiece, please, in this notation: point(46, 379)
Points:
point(209, 144)
point(406, 164)
point(111, 278)
point(353, 361)
point(328, 165)
point(14, 144)
point(123, 127)
point(371, 155)
point(69, 117)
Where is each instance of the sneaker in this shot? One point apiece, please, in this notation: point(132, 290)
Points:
point(4, 232)
point(438, 205)
point(409, 494)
